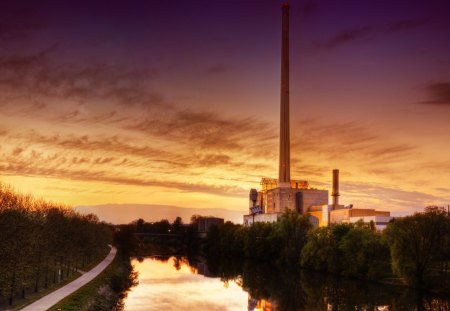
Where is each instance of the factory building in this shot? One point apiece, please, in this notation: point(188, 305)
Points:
point(285, 194)
point(278, 196)
point(337, 214)
point(272, 201)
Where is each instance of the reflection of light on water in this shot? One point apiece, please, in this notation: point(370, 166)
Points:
point(376, 308)
point(264, 305)
point(173, 285)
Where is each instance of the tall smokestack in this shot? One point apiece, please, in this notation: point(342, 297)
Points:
point(335, 193)
point(284, 176)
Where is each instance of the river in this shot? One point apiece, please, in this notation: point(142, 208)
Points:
point(177, 283)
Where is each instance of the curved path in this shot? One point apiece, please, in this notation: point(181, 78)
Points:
point(53, 298)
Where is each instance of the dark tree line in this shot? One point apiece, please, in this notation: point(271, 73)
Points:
point(159, 237)
point(43, 243)
point(420, 247)
point(349, 250)
point(280, 241)
point(414, 248)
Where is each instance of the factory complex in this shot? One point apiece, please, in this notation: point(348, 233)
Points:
point(277, 196)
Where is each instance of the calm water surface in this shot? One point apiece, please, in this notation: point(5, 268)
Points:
point(175, 283)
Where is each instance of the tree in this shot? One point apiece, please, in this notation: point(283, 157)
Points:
point(125, 239)
point(418, 244)
point(177, 225)
point(322, 251)
point(364, 254)
point(40, 240)
point(292, 232)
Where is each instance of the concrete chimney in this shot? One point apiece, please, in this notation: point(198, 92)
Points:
point(284, 171)
point(335, 193)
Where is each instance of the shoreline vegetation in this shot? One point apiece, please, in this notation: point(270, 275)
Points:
point(45, 245)
point(413, 251)
point(104, 293)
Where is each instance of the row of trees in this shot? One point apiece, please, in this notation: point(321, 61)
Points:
point(163, 236)
point(43, 243)
point(347, 249)
point(415, 248)
point(280, 241)
point(160, 227)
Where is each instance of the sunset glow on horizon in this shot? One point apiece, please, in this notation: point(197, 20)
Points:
point(177, 102)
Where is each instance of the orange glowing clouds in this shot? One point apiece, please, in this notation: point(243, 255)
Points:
point(179, 105)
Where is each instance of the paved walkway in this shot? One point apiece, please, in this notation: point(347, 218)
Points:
point(53, 298)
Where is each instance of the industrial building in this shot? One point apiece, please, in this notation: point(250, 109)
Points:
point(285, 194)
point(336, 213)
point(278, 196)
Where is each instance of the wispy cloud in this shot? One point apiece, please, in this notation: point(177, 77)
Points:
point(407, 24)
point(347, 36)
point(26, 168)
point(214, 159)
point(217, 69)
point(307, 8)
point(123, 154)
point(105, 144)
point(208, 130)
point(438, 94)
point(360, 33)
point(392, 198)
point(18, 22)
point(349, 140)
point(35, 73)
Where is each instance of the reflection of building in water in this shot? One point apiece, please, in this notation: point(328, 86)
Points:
point(330, 307)
point(261, 305)
point(202, 269)
point(285, 194)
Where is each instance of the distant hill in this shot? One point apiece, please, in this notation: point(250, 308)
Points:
point(126, 213)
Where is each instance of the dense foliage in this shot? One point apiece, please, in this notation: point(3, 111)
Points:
point(347, 249)
point(280, 241)
point(43, 243)
point(161, 237)
point(420, 246)
point(415, 248)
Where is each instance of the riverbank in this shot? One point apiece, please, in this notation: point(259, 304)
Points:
point(51, 299)
point(19, 304)
point(105, 292)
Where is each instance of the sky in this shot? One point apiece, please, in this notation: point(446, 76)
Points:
point(177, 102)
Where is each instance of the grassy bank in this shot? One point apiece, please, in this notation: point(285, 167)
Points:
point(19, 304)
point(32, 297)
point(105, 292)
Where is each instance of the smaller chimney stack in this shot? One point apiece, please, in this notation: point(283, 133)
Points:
point(335, 193)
